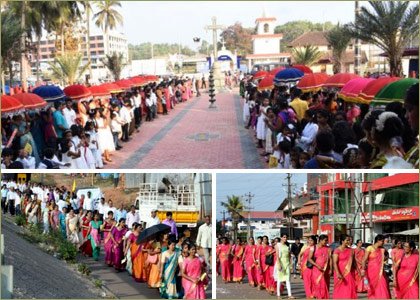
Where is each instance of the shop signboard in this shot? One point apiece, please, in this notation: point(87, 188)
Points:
point(335, 219)
point(392, 215)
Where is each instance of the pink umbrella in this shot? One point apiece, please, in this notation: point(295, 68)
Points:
point(260, 74)
point(312, 82)
point(303, 68)
point(339, 80)
point(372, 88)
point(352, 89)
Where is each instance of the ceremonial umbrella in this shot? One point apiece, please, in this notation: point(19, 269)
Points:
point(394, 91)
point(266, 83)
point(10, 104)
point(49, 93)
point(260, 75)
point(312, 82)
point(351, 89)
point(30, 100)
point(303, 68)
point(151, 78)
point(276, 70)
point(152, 232)
point(339, 80)
point(372, 88)
point(77, 92)
point(138, 81)
point(288, 75)
point(112, 88)
point(99, 91)
point(124, 84)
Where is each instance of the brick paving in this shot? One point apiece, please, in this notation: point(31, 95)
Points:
point(193, 136)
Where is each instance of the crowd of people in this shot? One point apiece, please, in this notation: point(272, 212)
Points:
point(318, 130)
point(168, 261)
point(83, 134)
point(352, 268)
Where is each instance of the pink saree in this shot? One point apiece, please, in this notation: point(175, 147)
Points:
point(118, 251)
point(108, 243)
point(225, 262)
point(192, 268)
point(306, 272)
point(408, 278)
point(378, 283)
point(267, 271)
point(344, 288)
point(320, 279)
point(238, 270)
point(251, 268)
point(360, 280)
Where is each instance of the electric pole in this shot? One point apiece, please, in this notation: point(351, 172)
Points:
point(290, 203)
point(248, 199)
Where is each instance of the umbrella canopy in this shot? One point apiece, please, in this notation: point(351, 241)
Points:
point(372, 88)
point(112, 87)
point(10, 104)
point(266, 83)
point(260, 75)
point(49, 93)
point(30, 100)
point(312, 82)
point(77, 91)
point(303, 68)
point(124, 84)
point(99, 91)
point(151, 78)
point(152, 233)
point(339, 80)
point(288, 75)
point(138, 81)
point(276, 70)
point(351, 89)
point(394, 91)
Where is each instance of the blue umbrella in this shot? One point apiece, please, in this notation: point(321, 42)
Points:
point(288, 75)
point(49, 93)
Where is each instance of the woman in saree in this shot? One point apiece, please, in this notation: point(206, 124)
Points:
point(396, 254)
point(153, 264)
point(238, 269)
point(249, 258)
point(224, 253)
point(136, 253)
point(373, 261)
point(265, 251)
point(94, 236)
point(194, 275)
point(62, 221)
point(321, 271)
point(260, 277)
point(359, 253)
point(407, 274)
point(117, 237)
point(107, 226)
point(72, 227)
point(168, 268)
point(343, 262)
point(86, 246)
point(219, 242)
point(282, 269)
point(306, 273)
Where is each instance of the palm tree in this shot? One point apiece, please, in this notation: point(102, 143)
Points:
point(68, 68)
point(115, 64)
point(88, 8)
point(390, 26)
point(234, 207)
point(307, 55)
point(108, 17)
point(338, 38)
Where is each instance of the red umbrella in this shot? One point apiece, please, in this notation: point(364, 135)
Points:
point(303, 68)
point(112, 88)
point(276, 70)
point(260, 74)
point(124, 83)
point(339, 80)
point(99, 91)
point(139, 81)
point(351, 89)
point(267, 83)
point(372, 88)
point(77, 91)
point(312, 82)
point(30, 100)
point(10, 104)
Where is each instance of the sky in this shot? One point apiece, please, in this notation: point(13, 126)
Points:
point(181, 21)
point(267, 187)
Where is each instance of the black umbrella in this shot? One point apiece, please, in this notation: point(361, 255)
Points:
point(152, 233)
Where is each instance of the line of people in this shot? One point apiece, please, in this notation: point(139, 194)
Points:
point(354, 269)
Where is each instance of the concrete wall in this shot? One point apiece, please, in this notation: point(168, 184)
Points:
point(266, 45)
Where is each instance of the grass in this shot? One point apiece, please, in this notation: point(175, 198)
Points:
point(98, 283)
point(84, 269)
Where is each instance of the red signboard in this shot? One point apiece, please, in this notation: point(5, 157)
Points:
point(392, 215)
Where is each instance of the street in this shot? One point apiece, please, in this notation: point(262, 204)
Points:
point(193, 136)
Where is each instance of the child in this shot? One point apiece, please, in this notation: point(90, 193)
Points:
point(87, 152)
point(116, 129)
point(284, 148)
point(93, 144)
point(303, 158)
point(261, 125)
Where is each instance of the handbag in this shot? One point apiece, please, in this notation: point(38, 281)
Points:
point(269, 260)
point(273, 162)
point(308, 264)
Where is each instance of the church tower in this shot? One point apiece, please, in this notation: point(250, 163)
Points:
point(266, 41)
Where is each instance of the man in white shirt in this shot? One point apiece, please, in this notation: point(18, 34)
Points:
point(126, 119)
point(109, 208)
point(88, 202)
point(149, 105)
point(11, 199)
point(69, 113)
point(132, 217)
point(154, 219)
point(27, 161)
point(102, 207)
point(137, 108)
point(74, 202)
point(153, 97)
point(61, 203)
point(204, 239)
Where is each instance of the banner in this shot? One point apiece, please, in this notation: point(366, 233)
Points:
point(392, 215)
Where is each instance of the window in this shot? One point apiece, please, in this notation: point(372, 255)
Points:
point(44, 56)
point(329, 47)
point(266, 28)
point(43, 42)
point(91, 38)
point(51, 48)
point(326, 203)
point(92, 52)
point(100, 45)
point(351, 47)
point(101, 52)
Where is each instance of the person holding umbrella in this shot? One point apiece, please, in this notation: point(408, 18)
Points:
point(411, 105)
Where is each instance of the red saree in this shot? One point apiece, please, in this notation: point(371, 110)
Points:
point(320, 279)
point(251, 268)
point(306, 272)
point(267, 271)
point(378, 283)
point(360, 280)
point(408, 278)
point(344, 288)
point(225, 262)
point(238, 270)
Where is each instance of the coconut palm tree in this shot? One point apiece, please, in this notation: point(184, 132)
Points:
point(68, 68)
point(108, 17)
point(390, 25)
point(308, 55)
point(234, 207)
point(115, 64)
point(339, 38)
point(88, 9)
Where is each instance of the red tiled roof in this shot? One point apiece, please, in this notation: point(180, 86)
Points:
point(265, 19)
point(263, 36)
point(281, 54)
point(310, 202)
point(306, 210)
point(315, 38)
point(263, 215)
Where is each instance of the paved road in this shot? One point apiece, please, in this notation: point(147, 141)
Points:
point(37, 274)
point(193, 136)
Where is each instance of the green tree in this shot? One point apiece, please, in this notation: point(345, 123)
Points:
point(234, 207)
point(88, 9)
point(307, 55)
point(339, 38)
point(68, 68)
point(390, 25)
point(236, 37)
point(144, 50)
point(115, 64)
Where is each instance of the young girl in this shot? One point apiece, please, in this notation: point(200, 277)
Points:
point(284, 148)
point(94, 145)
point(261, 124)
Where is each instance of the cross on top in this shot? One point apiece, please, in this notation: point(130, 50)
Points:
point(214, 27)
